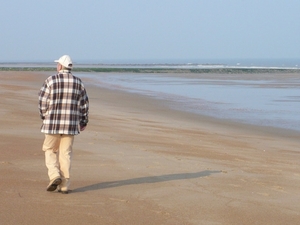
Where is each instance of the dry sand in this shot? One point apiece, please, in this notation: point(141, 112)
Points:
point(139, 162)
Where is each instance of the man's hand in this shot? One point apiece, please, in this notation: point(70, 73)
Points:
point(82, 128)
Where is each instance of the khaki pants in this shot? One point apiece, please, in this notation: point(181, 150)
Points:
point(58, 155)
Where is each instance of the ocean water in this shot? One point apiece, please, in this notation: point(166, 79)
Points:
point(272, 101)
point(168, 63)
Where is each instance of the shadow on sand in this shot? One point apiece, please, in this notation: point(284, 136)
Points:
point(146, 180)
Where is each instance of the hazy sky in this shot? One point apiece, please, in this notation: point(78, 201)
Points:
point(102, 30)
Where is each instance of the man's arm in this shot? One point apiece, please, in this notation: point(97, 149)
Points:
point(84, 110)
point(43, 100)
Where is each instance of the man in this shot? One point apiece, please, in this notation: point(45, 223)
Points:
point(63, 106)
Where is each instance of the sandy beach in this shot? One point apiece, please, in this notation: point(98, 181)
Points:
point(140, 162)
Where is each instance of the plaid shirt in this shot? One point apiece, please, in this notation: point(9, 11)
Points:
point(63, 104)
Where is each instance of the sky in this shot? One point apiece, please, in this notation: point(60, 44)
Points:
point(148, 30)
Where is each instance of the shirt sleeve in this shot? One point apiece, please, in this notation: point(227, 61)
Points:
point(84, 108)
point(43, 100)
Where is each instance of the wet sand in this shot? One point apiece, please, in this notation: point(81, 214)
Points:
point(139, 162)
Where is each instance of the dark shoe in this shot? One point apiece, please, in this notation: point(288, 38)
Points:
point(53, 184)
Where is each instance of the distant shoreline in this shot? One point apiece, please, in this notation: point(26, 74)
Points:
point(227, 70)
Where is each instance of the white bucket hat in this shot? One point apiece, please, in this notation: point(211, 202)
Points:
point(65, 61)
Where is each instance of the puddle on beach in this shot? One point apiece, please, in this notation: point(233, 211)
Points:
point(274, 103)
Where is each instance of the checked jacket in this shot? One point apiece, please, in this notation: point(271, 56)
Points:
point(63, 104)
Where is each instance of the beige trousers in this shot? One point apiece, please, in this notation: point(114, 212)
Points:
point(58, 155)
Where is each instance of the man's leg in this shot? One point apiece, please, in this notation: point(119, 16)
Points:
point(50, 147)
point(65, 157)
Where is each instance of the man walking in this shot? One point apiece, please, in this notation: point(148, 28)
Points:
point(64, 107)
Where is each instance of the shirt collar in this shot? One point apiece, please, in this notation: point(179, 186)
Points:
point(64, 71)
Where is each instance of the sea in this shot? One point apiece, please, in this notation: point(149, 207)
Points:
point(271, 100)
